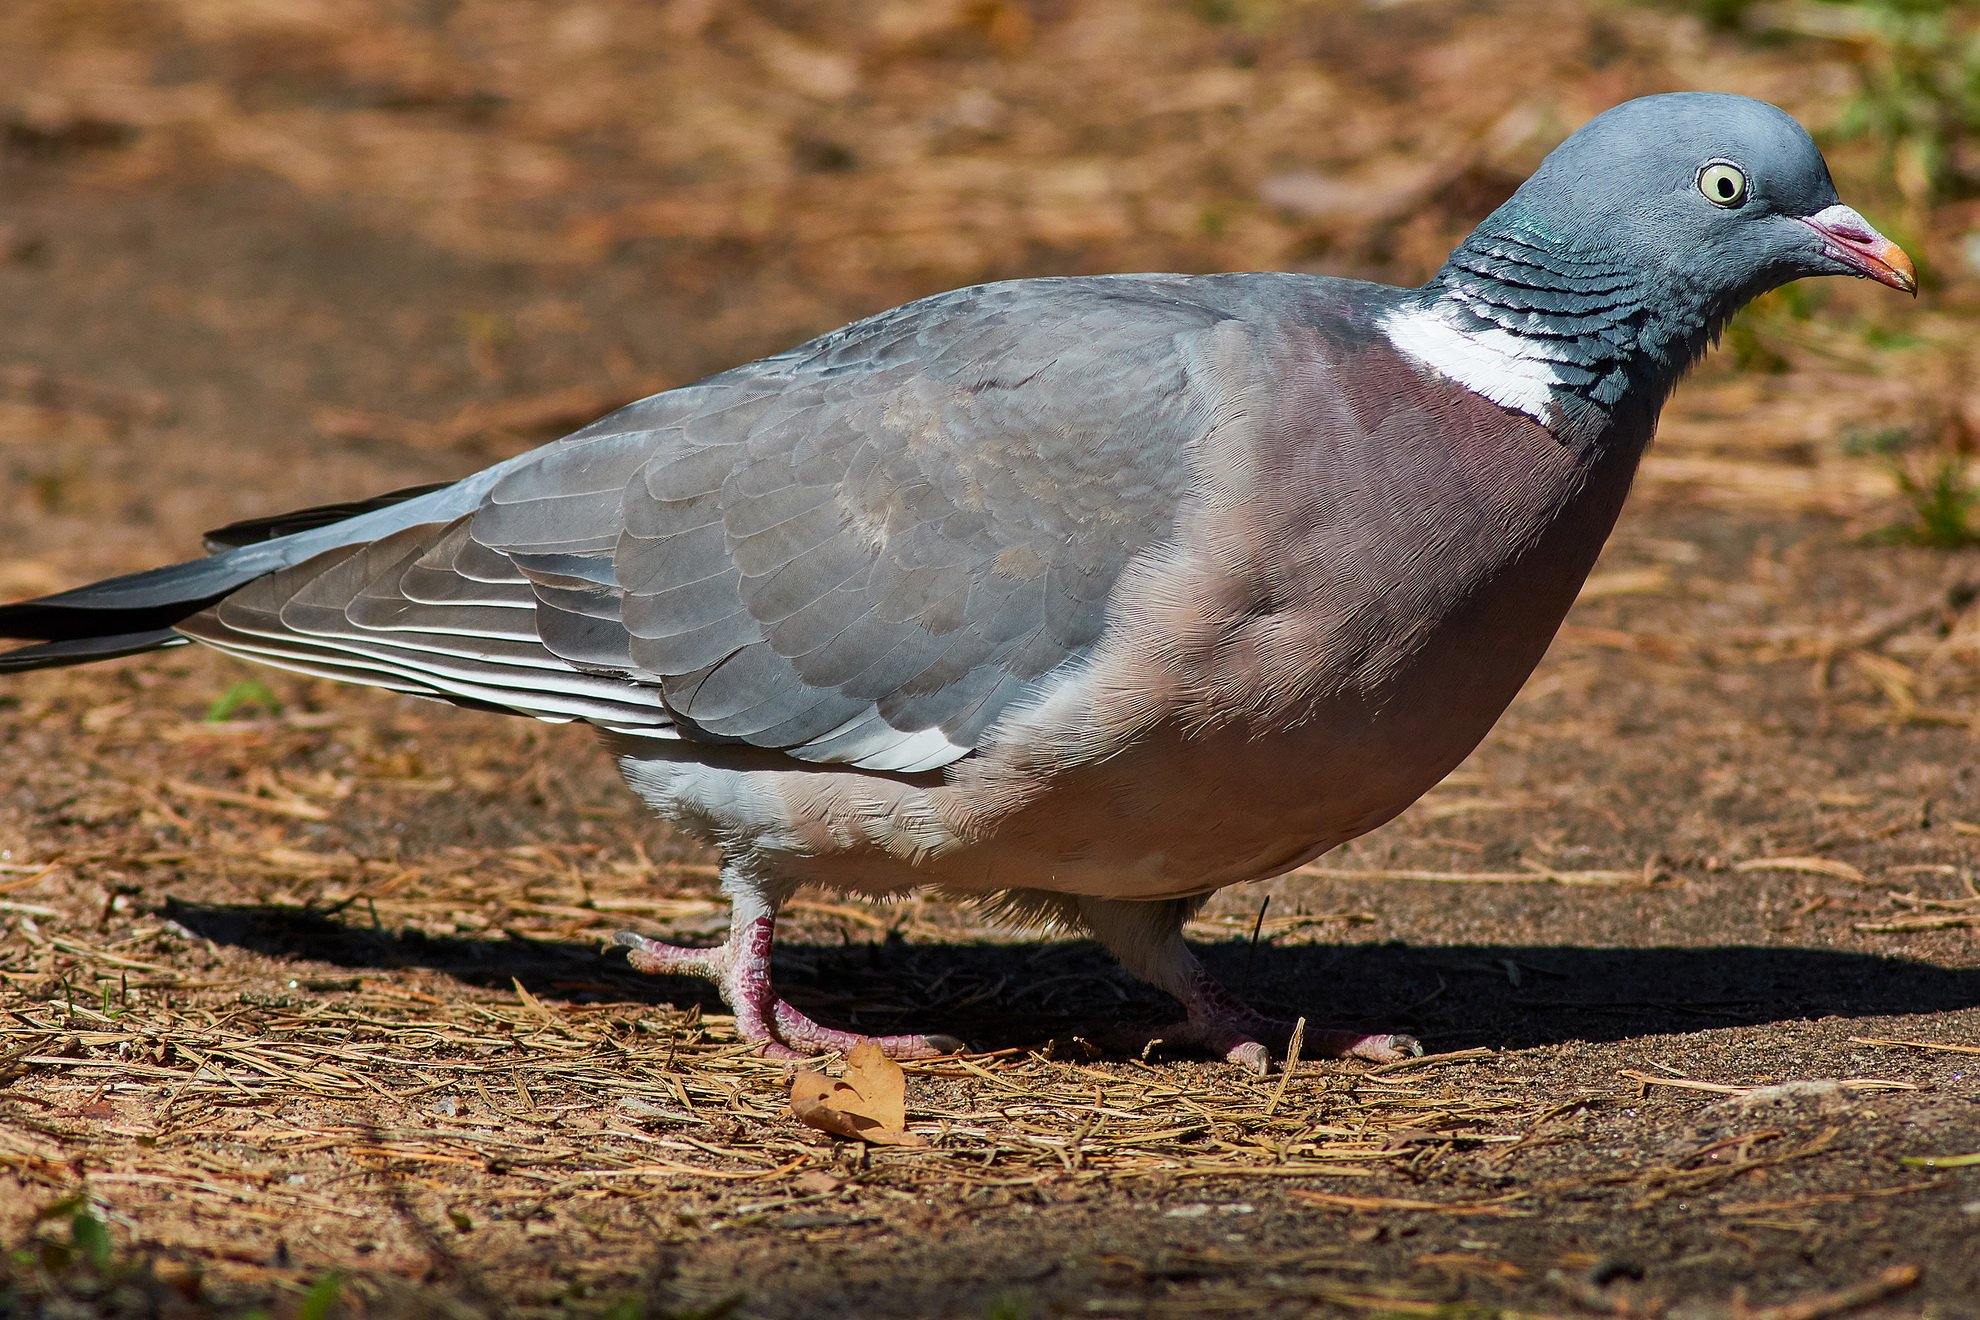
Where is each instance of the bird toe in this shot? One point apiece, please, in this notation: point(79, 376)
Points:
point(1251, 1056)
point(938, 1044)
point(1388, 1049)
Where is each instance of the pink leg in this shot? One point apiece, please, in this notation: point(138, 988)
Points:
point(1147, 938)
point(741, 969)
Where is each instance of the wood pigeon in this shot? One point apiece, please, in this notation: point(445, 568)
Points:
point(1084, 597)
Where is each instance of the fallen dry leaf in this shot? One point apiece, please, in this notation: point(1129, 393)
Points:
point(868, 1104)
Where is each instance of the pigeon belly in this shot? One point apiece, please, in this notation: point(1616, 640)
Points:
point(1235, 725)
point(1349, 735)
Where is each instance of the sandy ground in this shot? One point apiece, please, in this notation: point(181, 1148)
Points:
point(301, 1004)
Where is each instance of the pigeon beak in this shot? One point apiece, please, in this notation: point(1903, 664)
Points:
point(1848, 239)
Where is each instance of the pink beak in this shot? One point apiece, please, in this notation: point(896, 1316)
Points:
point(1848, 238)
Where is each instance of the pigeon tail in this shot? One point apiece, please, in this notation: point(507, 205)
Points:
point(118, 616)
point(136, 612)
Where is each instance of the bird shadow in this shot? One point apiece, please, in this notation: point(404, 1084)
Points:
point(1028, 994)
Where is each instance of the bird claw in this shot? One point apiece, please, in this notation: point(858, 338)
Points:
point(657, 959)
point(740, 969)
point(1252, 1056)
point(1380, 1049)
point(1253, 1042)
point(1219, 1023)
point(1224, 1026)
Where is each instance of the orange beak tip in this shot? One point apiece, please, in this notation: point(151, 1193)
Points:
point(1849, 241)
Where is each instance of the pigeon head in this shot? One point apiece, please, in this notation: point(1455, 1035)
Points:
point(1640, 235)
point(1716, 198)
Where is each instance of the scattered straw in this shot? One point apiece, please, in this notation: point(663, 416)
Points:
point(1896, 1279)
point(1915, 1045)
point(1805, 866)
point(1452, 1058)
point(1498, 1206)
point(1286, 1068)
point(1647, 1080)
point(1750, 1208)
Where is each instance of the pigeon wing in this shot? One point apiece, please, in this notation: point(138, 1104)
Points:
point(857, 552)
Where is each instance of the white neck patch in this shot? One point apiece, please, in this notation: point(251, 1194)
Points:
point(1493, 362)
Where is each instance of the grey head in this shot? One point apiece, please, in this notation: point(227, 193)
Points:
point(1641, 234)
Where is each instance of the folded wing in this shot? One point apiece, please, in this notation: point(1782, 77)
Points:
point(858, 552)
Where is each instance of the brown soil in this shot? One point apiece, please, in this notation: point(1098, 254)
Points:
point(305, 998)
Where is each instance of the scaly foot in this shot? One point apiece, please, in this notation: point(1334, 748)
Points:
point(741, 970)
point(1221, 1024)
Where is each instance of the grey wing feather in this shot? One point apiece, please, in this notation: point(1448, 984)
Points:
point(865, 550)
point(861, 551)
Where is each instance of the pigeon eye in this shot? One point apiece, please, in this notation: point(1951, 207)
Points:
point(1722, 184)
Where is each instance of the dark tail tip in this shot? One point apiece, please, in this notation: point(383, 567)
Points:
point(85, 650)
